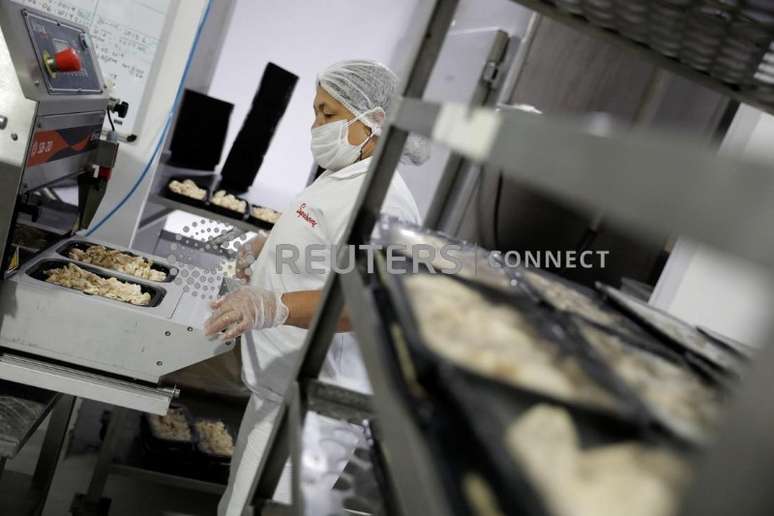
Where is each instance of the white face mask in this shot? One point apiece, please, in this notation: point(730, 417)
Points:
point(330, 145)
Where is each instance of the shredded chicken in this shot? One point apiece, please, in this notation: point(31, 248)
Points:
point(265, 214)
point(495, 340)
point(624, 478)
point(172, 427)
point(72, 276)
point(228, 201)
point(214, 438)
point(682, 401)
point(188, 188)
point(118, 261)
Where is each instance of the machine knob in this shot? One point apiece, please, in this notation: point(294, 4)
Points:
point(66, 60)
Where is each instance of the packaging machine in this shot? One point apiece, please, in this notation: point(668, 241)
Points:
point(53, 103)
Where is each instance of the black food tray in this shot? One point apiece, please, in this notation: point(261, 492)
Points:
point(38, 271)
point(171, 272)
point(451, 423)
point(211, 206)
point(213, 465)
point(255, 221)
point(744, 351)
point(184, 198)
point(547, 328)
point(168, 448)
point(489, 423)
point(454, 454)
point(620, 325)
point(214, 457)
point(653, 320)
point(646, 344)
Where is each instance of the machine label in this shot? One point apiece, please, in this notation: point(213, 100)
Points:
point(48, 146)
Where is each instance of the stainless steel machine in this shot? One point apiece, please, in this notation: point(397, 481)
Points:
point(53, 103)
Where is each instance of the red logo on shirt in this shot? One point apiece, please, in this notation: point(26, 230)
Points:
point(305, 216)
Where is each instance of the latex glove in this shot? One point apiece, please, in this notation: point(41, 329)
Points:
point(247, 255)
point(249, 308)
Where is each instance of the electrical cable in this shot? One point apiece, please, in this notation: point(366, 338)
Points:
point(110, 119)
point(164, 130)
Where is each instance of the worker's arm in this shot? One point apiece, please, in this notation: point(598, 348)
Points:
point(255, 308)
point(302, 307)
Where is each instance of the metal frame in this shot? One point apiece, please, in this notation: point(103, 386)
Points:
point(119, 334)
point(420, 494)
point(31, 492)
point(450, 189)
point(654, 183)
point(576, 22)
point(88, 385)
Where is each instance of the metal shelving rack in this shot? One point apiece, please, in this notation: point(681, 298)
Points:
point(651, 182)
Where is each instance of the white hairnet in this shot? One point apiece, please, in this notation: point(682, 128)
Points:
point(366, 88)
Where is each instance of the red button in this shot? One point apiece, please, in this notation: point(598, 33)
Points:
point(67, 61)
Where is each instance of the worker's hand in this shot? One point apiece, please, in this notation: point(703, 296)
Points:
point(249, 308)
point(247, 255)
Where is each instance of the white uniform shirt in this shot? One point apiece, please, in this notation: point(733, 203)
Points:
point(319, 215)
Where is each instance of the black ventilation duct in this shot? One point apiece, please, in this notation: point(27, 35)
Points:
point(200, 132)
point(254, 138)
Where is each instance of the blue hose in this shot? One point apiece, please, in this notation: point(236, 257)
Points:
point(164, 130)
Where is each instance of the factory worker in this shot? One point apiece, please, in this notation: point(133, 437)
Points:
point(277, 306)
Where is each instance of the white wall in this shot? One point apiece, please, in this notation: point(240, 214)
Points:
point(133, 157)
point(713, 289)
point(302, 37)
point(457, 72)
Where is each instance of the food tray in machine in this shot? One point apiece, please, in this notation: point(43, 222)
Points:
point(38, 271)
point(171, 272)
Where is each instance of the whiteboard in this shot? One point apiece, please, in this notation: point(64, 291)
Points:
point(126, 35)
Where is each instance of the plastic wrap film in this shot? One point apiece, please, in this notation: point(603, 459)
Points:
point(471, 261)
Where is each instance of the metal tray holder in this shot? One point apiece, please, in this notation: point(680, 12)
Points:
point(457, 407)
point(729, 41)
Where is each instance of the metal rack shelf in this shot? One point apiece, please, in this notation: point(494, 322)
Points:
point(646, 181)
point(615, 173)
point(731, 54)
point(201, 212)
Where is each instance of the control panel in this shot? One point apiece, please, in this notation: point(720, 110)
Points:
point(64, 54)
